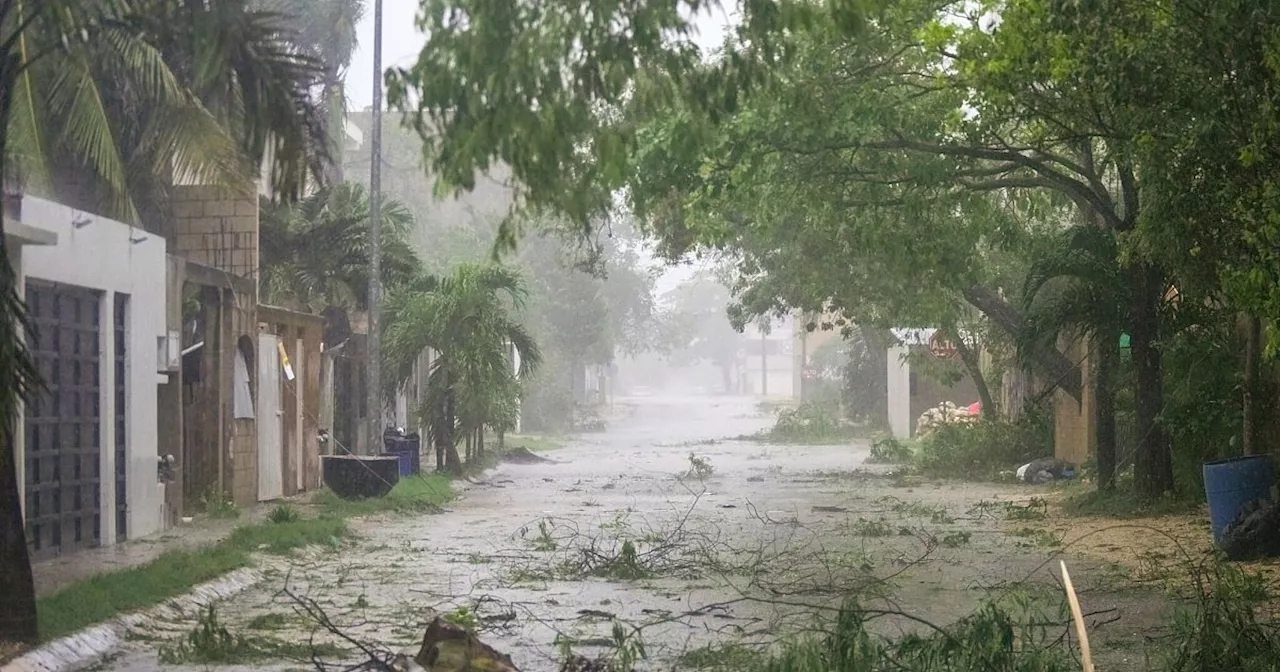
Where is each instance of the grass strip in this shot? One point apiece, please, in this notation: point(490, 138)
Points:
point(174, 573)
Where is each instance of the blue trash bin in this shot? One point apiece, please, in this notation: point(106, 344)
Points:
point(413, 445)
point(1231, 483)
point(403, 459)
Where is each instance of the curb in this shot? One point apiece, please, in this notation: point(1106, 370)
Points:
point(94, 643)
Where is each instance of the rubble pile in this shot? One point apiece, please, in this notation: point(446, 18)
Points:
point(945, 413)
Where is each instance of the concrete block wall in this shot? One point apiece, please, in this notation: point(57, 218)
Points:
point(216, 227)
point(242, 438)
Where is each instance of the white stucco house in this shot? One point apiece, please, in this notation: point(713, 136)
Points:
point(86, 443)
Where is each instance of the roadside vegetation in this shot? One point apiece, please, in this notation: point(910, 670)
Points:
point(105, 596)
point(1218, 627)
point(287, 527)
point(532, 443)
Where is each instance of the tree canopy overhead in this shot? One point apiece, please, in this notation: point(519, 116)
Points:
point(531, 84)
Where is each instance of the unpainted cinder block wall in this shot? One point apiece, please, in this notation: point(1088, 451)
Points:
point(216, 227)
point(1073, 421)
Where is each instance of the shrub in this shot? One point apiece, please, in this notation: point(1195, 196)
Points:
point(808, 423)
point(886, 448)
point(1011, 639)
point(982, 449)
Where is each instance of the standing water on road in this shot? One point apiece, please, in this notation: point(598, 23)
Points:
point(687, 539)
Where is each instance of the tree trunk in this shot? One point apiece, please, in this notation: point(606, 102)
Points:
point(969, 357)
point(480, 443)
point(1153, 468)
point(452, 461)
point(1056, 367)
point(440, 433)
point(1104, 407)
point(502, 441)
point(1252, 349)
point(18, 618)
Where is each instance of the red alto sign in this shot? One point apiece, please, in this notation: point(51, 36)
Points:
point(941, 347)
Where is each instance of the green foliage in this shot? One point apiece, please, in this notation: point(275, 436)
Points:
point(468, 319)
point(281, 538)
point(890, 450)
point(1203, 386)
point(211, 643)
point(107, 595)
point(807, 423)
point(117, 98)
point(983, 449)
point(527, 87)
point(534, 444)
point(464, 617)
point(1223, 630)
point(173, 573)
point(283, 513)
point(997, 637)
point(219, 505)
point(315, 253)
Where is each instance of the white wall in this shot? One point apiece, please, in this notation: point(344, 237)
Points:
point(103, 255)
point(898, 389)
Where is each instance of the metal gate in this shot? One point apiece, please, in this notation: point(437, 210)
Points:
point(120, 350)
point(63, 421)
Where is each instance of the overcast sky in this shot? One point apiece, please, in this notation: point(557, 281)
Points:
point(401, 43)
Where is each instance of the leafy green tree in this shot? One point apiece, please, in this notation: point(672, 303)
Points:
point(525, 85)
point(315, 253)
point(468, 319)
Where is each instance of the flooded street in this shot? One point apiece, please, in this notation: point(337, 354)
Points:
point(682, 535)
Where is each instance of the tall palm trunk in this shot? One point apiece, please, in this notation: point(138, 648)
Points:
point(335, 102)
point(18, 618)
point(452, 461)
point(1104, 399)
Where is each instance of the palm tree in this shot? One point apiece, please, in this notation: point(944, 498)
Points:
point(315, 253)
point(1076, 284)
point(467, 318)
point(327, 33)
point(166, 90)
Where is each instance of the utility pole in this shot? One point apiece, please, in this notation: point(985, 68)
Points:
point(764, 363)
point(374, 366)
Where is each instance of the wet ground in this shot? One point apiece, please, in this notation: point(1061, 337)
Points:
point(687, 539)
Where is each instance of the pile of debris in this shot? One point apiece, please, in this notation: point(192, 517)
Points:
point(451, 648)
point(945, 413)
point(1045, 470)
point(447, 647)
point(1254, 534)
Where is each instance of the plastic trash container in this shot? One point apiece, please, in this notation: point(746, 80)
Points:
point(413, 445)
point(1231, 483)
